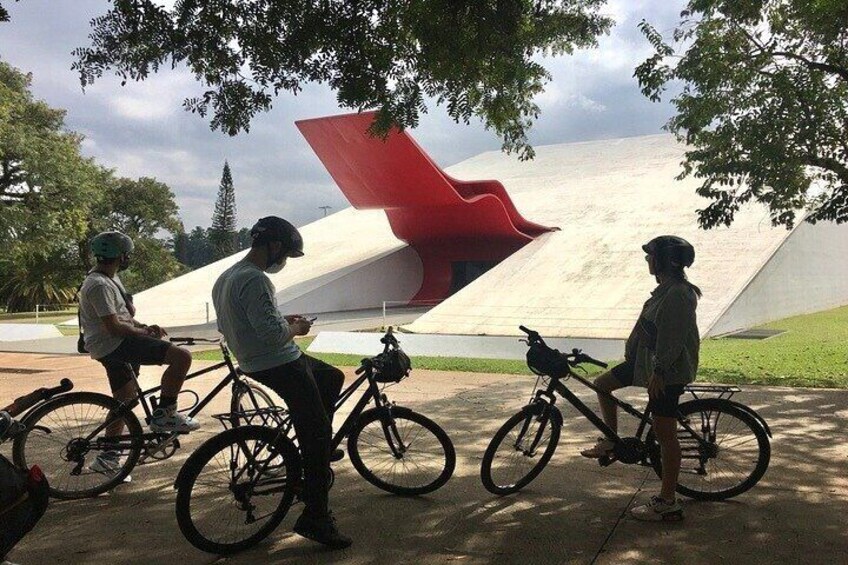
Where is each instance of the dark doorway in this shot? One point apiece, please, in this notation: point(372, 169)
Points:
point(465, 272)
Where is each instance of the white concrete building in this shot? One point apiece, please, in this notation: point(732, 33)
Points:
point(588, 280)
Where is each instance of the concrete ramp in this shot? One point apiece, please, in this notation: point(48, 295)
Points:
point(24, 332)
point(590, 279)
point(352, 261)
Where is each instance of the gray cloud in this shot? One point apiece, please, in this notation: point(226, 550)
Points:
point(141, 128)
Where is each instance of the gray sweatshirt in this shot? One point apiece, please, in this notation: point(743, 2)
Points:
point(248, 317)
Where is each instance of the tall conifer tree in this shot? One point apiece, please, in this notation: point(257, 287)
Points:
point(223, 231)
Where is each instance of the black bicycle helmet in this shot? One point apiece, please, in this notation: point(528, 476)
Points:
point(273, 228)
point(670, 251)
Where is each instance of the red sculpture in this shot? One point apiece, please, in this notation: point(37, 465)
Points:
point(445, 220)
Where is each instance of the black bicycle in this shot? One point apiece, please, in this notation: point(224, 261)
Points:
point(236, 488)
point(66, 434)
point(725, 445)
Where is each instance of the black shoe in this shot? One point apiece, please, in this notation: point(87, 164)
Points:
point(323, 530)
point(337, 455)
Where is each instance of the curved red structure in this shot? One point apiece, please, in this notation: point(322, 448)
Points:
point(444, 219)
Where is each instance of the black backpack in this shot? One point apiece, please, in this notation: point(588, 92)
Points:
point(24, 496)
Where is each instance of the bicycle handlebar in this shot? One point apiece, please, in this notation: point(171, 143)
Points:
point(27, 401)
point(580, 357)
point(576, 356)
point(193, 340)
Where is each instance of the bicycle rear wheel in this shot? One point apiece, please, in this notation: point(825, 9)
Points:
point(401, 452)
point(252, 397)
point(728, 454)
point(520, 449)
point(236, 488)
point(65, 436)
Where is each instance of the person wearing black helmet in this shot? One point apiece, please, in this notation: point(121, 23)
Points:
point(263, 342)
point(662, 355)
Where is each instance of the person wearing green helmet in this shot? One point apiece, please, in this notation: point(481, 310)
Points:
point(111, 335)
point(662, 355)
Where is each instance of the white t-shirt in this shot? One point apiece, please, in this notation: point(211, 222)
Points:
point(99, 297)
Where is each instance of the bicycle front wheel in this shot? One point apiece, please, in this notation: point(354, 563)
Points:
point(726, 452)
point(401, 451)
point(86, 443)
point(236, 488)
point(520, 449)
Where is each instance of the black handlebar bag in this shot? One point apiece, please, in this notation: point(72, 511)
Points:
point(543, 360)
point(24, 497)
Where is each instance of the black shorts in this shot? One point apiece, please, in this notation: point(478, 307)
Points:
point(664, 405)
point(122, 365)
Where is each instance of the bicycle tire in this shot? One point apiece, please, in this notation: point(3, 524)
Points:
point(525, 416)
point(263, 397)
point(186, 481)
point(357, 444)
point(713, 413)
point(25, 453)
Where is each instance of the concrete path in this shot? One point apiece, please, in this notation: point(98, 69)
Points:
point(575, 512)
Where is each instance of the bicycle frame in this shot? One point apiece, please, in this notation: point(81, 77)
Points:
point(555, 385)
point(142, 395)
point(371, 393)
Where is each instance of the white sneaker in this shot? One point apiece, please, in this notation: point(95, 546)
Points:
point(108, 464)
point(169, 421)
point(658, 510)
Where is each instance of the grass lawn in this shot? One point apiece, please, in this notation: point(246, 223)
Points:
point(813, 353)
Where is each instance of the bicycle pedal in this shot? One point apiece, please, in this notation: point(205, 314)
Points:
point(606, 460)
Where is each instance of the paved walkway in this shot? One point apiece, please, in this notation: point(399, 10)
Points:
point(573, 513)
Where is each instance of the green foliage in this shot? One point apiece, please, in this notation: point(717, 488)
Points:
point(195, 248)
point(53, 200)
point(764, 104)
point(223, 234)
point(143, 209)
point(46, 190)
point(475, 57)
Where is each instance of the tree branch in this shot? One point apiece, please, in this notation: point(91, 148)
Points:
point(829, 164)
point(842, 72)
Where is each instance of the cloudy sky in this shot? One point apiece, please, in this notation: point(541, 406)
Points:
point(141, 129)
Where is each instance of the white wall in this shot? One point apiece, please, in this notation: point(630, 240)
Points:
point(396, 276)
point(808, 273)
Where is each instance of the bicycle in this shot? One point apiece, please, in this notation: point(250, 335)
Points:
point(66, 433)
point(725, 445)
point(236, 488)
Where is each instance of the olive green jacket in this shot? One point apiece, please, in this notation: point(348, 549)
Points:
point(665, 340)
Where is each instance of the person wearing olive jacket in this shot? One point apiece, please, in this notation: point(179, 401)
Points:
point(662, 355)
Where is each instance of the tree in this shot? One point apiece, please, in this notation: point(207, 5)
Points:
point(46, 191)
point(764, 104)
point(199, 250)
point(476, 57)
point(223, 231)
point(144, 209)
point(243, 239)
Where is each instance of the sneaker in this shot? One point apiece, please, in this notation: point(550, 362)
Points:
point(109, 464)
point(600, 449)
point(337, 455)
point(658, 510)
point(323, 530)
point(168, 420)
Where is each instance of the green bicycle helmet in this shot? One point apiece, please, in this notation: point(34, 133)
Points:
point(111, 245)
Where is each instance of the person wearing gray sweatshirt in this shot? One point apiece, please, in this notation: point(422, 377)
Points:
point(263, 342)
